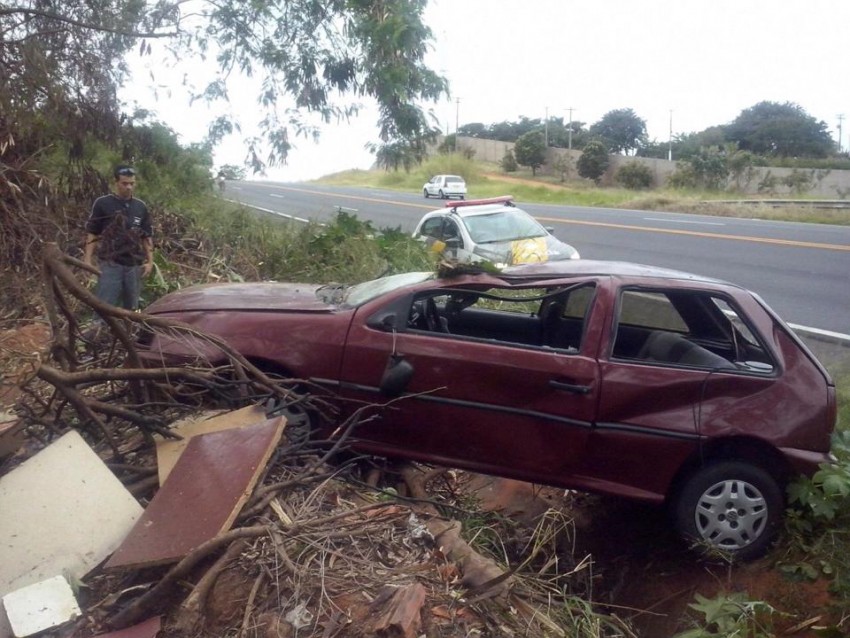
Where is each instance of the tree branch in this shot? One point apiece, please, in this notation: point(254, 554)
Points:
point(50, 15)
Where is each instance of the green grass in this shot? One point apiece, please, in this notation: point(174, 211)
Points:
point(486, 179)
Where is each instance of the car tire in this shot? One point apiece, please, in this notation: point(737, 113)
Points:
point(733, 507)
point(461, 196)
point(425, 193)
point(442, 195)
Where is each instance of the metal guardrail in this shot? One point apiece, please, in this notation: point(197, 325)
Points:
point(775, 203)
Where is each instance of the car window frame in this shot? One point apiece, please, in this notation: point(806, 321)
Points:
point(762, 342)
point(403, 326)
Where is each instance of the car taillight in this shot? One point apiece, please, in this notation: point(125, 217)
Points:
point(832, 408)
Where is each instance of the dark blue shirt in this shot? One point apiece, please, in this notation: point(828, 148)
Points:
point(121, 224)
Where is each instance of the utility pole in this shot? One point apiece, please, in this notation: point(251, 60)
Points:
point(570, 129)
point(546, 129)
point(670, 139)
point(840, 120)
point(457, 120)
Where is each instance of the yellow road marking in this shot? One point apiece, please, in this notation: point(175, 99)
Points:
point(559, 220)
point(694, 233)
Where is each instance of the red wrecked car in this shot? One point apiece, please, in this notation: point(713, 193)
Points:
point(609, 377)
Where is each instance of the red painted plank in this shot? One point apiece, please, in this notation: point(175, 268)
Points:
point(202, 496)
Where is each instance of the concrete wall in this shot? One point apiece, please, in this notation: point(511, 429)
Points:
point(832, 184)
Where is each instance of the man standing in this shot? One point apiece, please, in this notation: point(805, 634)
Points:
point(119, 228)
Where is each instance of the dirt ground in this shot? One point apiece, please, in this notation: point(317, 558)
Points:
point(641, 571)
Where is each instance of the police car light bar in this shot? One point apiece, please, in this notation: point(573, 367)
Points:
point(504, 199)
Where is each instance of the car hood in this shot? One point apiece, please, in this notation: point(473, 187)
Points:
point(526, 251)
point(242, 296)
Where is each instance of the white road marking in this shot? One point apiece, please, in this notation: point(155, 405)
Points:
point(279, 214)
point(682, 221)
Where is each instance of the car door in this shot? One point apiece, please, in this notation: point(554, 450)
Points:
point(655, 406)
point(503, 404)
point(433, 185)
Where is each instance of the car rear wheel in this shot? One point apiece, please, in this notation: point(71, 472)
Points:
point(731, 506)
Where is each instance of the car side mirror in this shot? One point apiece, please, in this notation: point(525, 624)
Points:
point(385, 322)
point(397, 374)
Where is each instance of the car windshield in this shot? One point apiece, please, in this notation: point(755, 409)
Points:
point(358, 294)
point(506, 225)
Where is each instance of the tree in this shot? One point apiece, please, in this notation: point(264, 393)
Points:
point(475, 129)
point(230, 171)
point(512, 131)
point(530, 150)
point(635, 176)
point(593, 161)
point(622, 130)
point(398, 155)
point(784, 130)
point(67, 60)
point(508, 162)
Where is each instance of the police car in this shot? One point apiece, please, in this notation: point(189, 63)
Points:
point(493, 230)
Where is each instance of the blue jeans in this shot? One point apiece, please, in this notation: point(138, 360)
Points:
point(119, 285)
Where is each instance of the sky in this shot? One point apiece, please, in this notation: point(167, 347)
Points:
point(685, 64)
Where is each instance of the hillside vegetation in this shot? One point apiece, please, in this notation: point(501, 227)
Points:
point(489, 180)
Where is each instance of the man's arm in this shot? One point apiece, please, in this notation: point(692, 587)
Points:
point(147, 244)
point(88, 252)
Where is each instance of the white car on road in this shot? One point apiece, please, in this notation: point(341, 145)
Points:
point(445, 187)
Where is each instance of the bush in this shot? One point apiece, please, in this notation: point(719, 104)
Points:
point(708, 168)
point(509, 163)
point(635, 176)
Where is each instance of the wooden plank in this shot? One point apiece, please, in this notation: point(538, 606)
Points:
point(61, 512)
point(202, 496)
point(169, 450)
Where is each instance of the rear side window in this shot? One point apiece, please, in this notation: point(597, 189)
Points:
point(687, 328)
point(651, 310)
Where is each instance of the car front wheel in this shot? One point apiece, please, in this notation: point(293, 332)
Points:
point(442, 196)
point(425, 193)
point(731, 506)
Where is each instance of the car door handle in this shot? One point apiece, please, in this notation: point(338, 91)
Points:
point(570, 387)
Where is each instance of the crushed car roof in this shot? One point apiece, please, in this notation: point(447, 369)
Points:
point(586, 267)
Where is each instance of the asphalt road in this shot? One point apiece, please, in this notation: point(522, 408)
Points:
point(801, 270)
